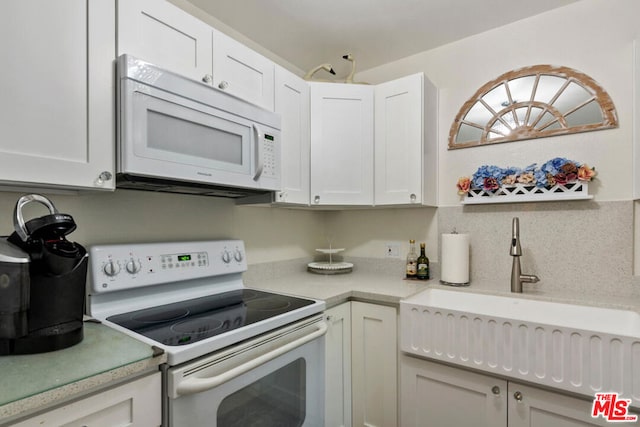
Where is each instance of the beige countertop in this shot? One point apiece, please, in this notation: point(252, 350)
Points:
point(38, 381)
point(335, 289)
point(383, 283)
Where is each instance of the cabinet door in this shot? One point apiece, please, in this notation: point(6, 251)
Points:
point(292, 102)
point(435, 395)
point(163, 34)
point(57, 105)
point(399, 141)
point(137, 403)
point(242, 71)
point(341, 144)
point(533, 407)
point(374, 365)
point(338, 367)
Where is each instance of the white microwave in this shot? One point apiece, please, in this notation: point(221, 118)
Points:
point(182, 136)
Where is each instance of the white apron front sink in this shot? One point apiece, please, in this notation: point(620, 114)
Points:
point(577, 348)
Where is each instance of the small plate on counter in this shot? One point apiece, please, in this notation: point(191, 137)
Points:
point(330, 267)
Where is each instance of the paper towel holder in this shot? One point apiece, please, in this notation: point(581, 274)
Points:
point(456, 284)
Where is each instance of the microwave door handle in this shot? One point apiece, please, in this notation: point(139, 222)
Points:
point(197, 385)
point(259, 156)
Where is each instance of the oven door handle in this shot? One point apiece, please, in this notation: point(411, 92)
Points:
point(197, 385)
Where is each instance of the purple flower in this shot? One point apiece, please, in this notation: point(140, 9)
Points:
point(490, 184)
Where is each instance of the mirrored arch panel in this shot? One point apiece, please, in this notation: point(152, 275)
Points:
point(532, 102)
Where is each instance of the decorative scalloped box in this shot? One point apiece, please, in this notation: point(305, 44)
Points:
point(578, 190)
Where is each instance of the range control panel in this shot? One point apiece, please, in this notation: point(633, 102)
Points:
point(126, 266)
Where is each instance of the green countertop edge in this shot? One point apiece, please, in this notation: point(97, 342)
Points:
point(104, 355)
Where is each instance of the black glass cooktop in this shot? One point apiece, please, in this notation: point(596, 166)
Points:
point(186, 322)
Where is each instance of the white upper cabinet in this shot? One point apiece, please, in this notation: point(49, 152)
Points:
point(341, 144)
point(57, 105)
point(405, 142)
point(163, 34)
point(242, 71)
point(292, 103)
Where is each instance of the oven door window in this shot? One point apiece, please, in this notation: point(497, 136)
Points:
point(278, 399)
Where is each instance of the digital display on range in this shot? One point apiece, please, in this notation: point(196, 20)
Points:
point(184, 257)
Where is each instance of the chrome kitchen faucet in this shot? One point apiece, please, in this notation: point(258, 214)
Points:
point(517, 278)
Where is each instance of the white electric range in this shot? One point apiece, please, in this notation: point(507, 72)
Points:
point(235, 355)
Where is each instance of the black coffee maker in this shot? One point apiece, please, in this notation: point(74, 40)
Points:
point(42, 283)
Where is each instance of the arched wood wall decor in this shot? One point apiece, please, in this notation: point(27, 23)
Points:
point(532, 102)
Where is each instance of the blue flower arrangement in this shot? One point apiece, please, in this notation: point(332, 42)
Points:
point(557, 171)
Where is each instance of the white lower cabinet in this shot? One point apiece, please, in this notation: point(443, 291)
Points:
point(136, 403)
point(361, 366)
point(338, 367)
point(437, 395)
point(374, 365)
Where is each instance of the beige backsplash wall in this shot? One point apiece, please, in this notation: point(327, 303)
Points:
point(582, 250)
point(136, 216)
point(579, 249)
point(364, 233)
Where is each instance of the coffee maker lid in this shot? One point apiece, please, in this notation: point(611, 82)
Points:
point(10, 253)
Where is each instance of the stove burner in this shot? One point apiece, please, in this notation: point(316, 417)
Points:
point(197, 326)
point(268, 304)
point(160, 315)
point(248, 295)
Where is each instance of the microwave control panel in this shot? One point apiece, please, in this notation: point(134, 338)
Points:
point(269, 155)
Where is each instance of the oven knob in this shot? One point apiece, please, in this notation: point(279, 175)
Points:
point(133, 266)
point(237, 255)
point(111, 268)
point(226, 257)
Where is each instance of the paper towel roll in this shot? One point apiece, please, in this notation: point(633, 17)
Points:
point(454, 268)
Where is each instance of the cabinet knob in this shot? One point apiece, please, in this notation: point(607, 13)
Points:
point(413, 198)
point(223, 85)
point(517, 396)
point(208, 78)
point(103, 177)
point(495, 390)
point(316, 199)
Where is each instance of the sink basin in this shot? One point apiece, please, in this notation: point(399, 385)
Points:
point(577, 348)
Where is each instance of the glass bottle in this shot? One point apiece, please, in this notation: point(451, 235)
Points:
point(423, 265)
point(412, 260)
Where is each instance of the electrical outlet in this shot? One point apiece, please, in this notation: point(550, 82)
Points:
point(392, 250)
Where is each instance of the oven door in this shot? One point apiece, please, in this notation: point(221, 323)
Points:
point(275, 380)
